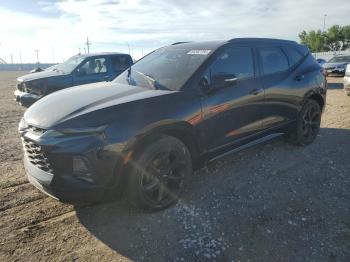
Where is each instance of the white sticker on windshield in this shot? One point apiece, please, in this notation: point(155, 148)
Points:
point(199, 52)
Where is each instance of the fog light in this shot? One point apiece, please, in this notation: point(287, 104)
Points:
point(79, 166)
point(80, 169)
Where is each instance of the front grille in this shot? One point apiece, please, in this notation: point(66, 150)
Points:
point(330, 68)
point(36, 156)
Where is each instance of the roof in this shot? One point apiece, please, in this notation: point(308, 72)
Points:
point(202, 45)
point(102, 53)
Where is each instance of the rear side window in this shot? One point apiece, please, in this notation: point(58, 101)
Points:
point(293, 55)
point(236, 61)
point(119, 63)
point(273, 60)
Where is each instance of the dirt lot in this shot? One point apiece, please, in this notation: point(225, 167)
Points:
point(275, 202)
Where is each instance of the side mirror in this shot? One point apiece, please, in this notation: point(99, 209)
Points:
point(204, 84)
point(81, 71)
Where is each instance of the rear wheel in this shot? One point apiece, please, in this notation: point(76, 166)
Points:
point(308, 124)
point(157, 174)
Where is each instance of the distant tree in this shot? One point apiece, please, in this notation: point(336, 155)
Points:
point(334, 39)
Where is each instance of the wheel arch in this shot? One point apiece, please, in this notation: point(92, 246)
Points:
point(181, 130)
point(315, 96)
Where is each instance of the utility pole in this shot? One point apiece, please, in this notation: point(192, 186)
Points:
point(79, 52)
point(53, 55)
point(128, 47)
point(37, 55)
point(11, 58)
point(324, 22)
point(20, 60)
point(88, 45)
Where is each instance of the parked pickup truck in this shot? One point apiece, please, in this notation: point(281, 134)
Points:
point(78, 70)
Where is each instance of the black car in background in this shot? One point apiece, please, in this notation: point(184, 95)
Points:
point(174, 109)
point(78, 70)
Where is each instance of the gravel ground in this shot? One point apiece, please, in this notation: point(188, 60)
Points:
point(274, 202)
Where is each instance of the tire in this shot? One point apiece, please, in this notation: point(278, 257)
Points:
point(308, 124)
point(157, 173)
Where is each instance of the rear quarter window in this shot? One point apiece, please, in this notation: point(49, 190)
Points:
point(293, 55)
point(273, 60)
point(119, 63)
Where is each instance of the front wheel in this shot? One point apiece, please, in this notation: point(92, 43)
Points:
point(308, 124)
point(157, 174)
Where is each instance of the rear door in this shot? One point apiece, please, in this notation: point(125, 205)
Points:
point(232, 107)
point(278, 83)
point(93, 69)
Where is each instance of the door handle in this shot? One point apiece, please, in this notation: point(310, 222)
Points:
point(299, 77)
point(231, 79)
point(256, 91)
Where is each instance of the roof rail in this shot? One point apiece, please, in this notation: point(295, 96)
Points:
point(260, 40)
point(177, 43)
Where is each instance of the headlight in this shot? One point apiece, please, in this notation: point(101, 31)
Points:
point(75, 131)
point(22, 125)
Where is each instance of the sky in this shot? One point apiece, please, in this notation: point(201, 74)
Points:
point(59, 29)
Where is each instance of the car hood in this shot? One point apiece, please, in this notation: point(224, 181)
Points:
point(75, 101)
point(327, 65)
point(39, 75)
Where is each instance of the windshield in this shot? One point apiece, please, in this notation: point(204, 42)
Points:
point(166, 68)
point(69, 65)
point(340, 59)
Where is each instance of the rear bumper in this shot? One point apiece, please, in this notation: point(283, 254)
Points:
point(25, 99)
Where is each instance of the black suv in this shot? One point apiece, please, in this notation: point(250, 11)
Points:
point(78, 70)
point(181, 105)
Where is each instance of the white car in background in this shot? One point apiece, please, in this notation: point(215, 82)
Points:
point(347, 80)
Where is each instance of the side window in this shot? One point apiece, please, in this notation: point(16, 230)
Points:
point(273, 60)
point(93, 66)
point(293, 55)
point(119, 63)
point(234, 62)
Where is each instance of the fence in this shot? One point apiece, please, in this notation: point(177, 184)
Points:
point(22, 67)
point(330, 54)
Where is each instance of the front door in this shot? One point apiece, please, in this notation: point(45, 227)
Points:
point(234, 99)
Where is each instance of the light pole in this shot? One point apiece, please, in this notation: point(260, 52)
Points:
point(37, 56)
point(128, 47)
point(324, 22)
point(88, 45)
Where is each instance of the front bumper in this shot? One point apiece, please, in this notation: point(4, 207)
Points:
point(62, 183)
point(335, 71)
point(25, 99)
point(66, 190)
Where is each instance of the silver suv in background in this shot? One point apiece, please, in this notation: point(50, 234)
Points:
point(347, 80)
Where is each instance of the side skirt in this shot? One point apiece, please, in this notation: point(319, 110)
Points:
point(245, 146)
